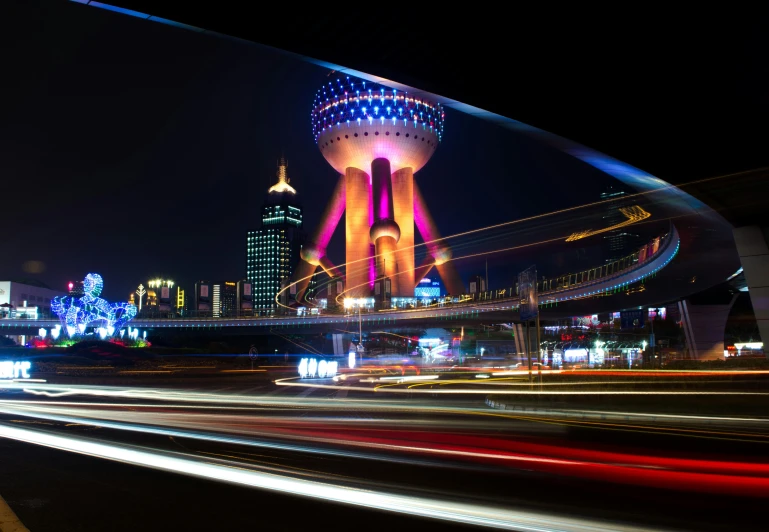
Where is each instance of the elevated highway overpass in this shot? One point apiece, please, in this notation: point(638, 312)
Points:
point(562, 296)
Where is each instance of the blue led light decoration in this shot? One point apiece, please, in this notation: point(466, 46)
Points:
point(349, 102)
point(78, 313)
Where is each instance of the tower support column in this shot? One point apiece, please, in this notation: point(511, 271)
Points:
point(403, 209)
point(357, 226)
point(435, 246)
point(384, 232)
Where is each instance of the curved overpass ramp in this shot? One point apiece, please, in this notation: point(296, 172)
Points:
point(470, 311)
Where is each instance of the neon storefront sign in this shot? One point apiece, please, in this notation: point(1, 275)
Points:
point(311, 367)
point(14, 370)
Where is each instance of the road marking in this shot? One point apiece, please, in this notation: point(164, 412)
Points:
point(306, 392)
point(341, 394)
point(9, 522)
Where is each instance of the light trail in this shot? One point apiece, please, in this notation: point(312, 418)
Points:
point(751, 479)
point(633, 214)
point(471, 514)
point(523, 220)
point(455, 259)
point(292, 381)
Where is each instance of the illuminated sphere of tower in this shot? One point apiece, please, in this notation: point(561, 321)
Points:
point(311, 254)
point(385, 228)
point(355, 123)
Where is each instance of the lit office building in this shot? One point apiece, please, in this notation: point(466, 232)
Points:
point(272, 251)
point(229, 299)
point(244, 300)
point(217, 301)
point(159, 295)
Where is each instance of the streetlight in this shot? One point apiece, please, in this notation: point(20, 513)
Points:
point(350, 302)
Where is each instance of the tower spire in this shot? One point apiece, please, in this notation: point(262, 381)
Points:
point(283, 180)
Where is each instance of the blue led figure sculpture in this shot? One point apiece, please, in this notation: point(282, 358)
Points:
point(77, 313)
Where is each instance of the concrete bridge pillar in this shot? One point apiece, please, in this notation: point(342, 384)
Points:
point(752, 246)
point(704, 328)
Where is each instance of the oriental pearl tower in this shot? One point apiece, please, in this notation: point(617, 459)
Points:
point(376, 138)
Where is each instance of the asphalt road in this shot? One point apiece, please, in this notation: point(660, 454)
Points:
point(450, 449)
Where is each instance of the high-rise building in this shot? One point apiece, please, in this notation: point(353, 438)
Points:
point(202, 301)
point(244, 301)
point(621, 241)
point(162, 290)
point(217, 303)
point(229, 299)
point(156, 300)
point(272, 251)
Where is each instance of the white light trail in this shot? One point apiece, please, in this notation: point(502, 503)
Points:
point(471, 514)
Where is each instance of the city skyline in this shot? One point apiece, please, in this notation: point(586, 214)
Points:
point(170, 157)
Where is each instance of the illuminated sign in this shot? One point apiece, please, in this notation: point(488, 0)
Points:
point(313, 368)
point(14, 370)
point(430, 342)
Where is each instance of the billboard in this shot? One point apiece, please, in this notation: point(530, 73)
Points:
point(527, 290)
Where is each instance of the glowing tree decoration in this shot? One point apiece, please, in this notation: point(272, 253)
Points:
point(140, 292)
point(77, 313)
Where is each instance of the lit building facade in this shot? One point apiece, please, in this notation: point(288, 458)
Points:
point(272, 251)
point(201, 303)
point(26, 300)
point(217, 301)
point(244, 300)
point(157, 300)
point(377, 138)
point(229, 299)
point(429, 289)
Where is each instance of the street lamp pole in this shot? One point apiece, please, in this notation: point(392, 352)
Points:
point(360, 334)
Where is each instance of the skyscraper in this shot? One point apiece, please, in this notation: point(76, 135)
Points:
point(272, 251)
point(229, 299)
point(621, 241)
point(217, 301)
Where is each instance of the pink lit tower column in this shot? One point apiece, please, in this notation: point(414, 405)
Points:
point(377, 138)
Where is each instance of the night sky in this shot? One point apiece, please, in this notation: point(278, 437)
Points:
point(137, 150)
